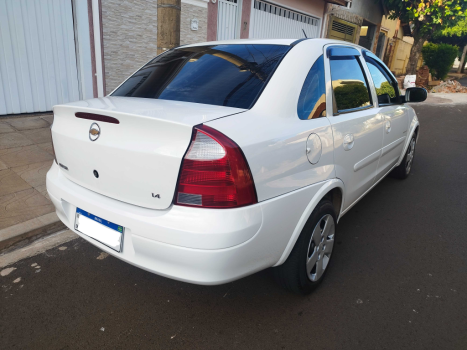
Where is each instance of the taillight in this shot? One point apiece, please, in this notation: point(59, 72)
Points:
point(214, 173)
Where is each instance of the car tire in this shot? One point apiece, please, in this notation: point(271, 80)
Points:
point(402, 171)
point(309, 259)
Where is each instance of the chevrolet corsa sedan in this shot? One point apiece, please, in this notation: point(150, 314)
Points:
point(217, 160)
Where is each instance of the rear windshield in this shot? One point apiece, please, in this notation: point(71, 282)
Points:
point(223, 75)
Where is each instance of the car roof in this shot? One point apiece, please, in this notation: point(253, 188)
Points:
point(287, 42)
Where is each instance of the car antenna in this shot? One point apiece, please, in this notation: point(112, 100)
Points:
point(304, 33)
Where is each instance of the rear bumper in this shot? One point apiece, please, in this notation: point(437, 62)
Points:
point(203, 246)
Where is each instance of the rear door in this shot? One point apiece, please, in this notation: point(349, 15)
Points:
point(356, 124)
point(394, 115)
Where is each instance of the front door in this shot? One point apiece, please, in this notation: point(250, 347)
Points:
point(356, 125)
point(394, 115)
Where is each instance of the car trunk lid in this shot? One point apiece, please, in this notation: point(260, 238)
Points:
point(137, 160)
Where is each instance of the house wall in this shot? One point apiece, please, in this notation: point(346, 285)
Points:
point(130, 34)
point(341, 13)
point(312, 7)
point(130, 38)
point(391, 25)
point(194, 10)
point(370, 10)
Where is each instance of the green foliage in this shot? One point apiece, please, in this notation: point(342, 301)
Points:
point(386, 88)
point(427, 16)
point(351, 96)
point(439, 58)
point(456, 35)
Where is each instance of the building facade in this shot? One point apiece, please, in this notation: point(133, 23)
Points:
point(357, 21)
point(56, 52)
point(243, 19)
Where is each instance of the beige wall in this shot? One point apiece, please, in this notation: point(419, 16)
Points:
point(313, 7)
point(130, 37)
point(189, 12)
point(399, 57)
point(390, 24)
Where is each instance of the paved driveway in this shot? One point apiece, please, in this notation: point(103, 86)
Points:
point(398, 279)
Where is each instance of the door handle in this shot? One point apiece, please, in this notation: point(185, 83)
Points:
point(348, 142)
point(387, 125)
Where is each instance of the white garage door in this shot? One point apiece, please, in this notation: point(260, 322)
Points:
point(37, 55)
point(228, 18)
point(272, 21)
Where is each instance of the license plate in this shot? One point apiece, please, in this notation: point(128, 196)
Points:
point(101, 230)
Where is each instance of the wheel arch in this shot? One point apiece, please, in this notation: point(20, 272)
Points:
point(414, 130)
point(332, 189)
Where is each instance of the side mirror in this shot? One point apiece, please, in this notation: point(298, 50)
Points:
point(415, 94)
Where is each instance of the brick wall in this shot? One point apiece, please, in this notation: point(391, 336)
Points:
point(189, 12)
point(130, 37)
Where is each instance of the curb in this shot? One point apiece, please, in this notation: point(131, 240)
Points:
point(28, 231)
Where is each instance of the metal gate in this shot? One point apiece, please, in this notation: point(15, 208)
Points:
point(272, 21)
point(37, 55)
point(228, 18)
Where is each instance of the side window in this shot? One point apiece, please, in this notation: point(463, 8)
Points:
point(382, 81)
point(349, 84)
point(312, 100)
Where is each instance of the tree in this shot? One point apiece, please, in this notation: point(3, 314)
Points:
point(456, 35)
point(425, 17)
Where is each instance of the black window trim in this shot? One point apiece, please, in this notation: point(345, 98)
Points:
point(369, 55)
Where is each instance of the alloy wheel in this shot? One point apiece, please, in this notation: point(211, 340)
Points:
point(320, 247)
point(410, 155)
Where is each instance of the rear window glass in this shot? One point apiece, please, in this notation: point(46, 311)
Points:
point(223, 75)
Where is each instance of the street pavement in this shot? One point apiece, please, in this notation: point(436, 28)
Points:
point(398, 279)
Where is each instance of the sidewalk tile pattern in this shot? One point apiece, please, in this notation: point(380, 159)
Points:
point(26, 154)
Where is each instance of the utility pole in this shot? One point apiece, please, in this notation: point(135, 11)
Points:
point(168, 24)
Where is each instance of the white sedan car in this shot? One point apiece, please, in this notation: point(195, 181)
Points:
point(217, 160)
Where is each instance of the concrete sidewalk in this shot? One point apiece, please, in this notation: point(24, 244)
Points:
point(26, 154)
point(445, 98)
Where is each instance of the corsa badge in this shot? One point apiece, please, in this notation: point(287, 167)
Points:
point(94, 132)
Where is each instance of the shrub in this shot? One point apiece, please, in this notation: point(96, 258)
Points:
point(439, 58)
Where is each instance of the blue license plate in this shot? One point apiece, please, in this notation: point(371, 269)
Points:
point(100, 220)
